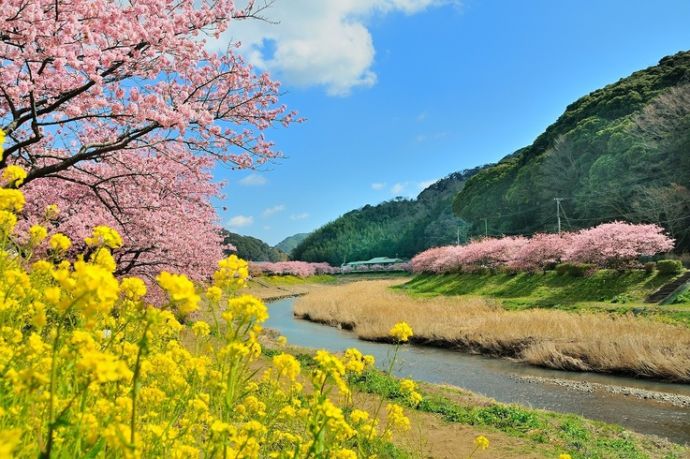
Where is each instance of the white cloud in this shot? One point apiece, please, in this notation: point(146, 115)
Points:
point(317, 42)
point(273, 210)
point(240, 221)
point(426, 183)
point(302, 216)
point(253, 180)
point(422, 116)
point(378, 186)
point(398, 188)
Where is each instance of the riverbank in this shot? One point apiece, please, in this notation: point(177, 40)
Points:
point(447, 420)
point(596, 342)
point(605, 290)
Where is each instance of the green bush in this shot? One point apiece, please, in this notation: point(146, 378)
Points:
point(669, 266)
point(575, 269)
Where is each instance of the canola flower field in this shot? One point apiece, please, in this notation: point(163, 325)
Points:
point(89, 369)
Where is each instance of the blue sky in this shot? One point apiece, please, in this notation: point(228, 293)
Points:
point(398, 93)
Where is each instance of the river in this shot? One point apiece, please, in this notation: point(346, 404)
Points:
point(503, 379)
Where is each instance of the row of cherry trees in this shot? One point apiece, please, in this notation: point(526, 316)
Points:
point(293, 268)
point(118, 112)
point(610, 245)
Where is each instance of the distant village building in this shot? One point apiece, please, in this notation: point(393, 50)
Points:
point(377, 261)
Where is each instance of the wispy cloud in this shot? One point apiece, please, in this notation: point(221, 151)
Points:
point(301, 216)
point(398, 188)
point(422, 116)
point(240, 221)
point(378, 186)
point(253, 180)
point(273, 210)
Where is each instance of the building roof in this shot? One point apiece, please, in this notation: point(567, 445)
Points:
point(375, 261)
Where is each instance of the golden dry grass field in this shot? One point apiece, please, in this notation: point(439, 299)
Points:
point(557, 339)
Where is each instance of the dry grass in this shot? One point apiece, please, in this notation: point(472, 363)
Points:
point(556, 339)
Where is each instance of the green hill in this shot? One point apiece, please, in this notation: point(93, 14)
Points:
point(396, 228)
point(288, 244)
point(251, 248)
point(621, 152)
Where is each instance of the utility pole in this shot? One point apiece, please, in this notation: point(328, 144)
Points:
point(486, 227)
point(458, 239)
point(558, 212)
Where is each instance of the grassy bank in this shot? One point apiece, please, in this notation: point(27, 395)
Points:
point(608, 290)
point(448, 418)
point(551, 338)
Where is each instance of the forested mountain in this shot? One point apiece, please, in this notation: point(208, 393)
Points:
point(251, 248)
point(288, 244)
point(621, 152)
point(396, 228)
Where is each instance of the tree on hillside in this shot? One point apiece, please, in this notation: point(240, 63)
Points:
point(118, 112)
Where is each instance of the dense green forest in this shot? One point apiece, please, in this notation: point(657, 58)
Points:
point(251, 248)
point(621, 152)
point(288, 244)
point(396, 228)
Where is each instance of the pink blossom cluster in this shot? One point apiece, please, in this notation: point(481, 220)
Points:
point(119, 110)
point(292, 268)
point(610, 245)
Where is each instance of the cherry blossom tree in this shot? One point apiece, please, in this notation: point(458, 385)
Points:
point(293, 268)
point(118, 112)
point(617, 244)
point(541, 251)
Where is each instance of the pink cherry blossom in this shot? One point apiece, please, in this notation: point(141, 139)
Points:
point(610, 245)
point(118, 112)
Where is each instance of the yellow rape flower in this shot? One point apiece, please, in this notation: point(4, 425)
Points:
point(201, 328)
point(246, 307)
point(8, 220)
point(59, 242)
point(565, 456)
point(14, 175)
point(102, 257)
point(401, 332)
point(358, 416)
point(51, 212)
point(133, 288)
point(232, 272)
point(180, 290)
point(103, 367)
point(38, 233)
point(344, 454)
point(214, 294)
point(396, 417)
point(482, 442)
point(9, 439)
point(287, 365)
point(104, 236)
point(12, 200)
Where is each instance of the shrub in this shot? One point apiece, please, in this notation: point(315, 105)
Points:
point(575, 269)
point(669, 266)
point(649, 267)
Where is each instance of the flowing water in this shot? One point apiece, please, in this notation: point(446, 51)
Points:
point(501, 378)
